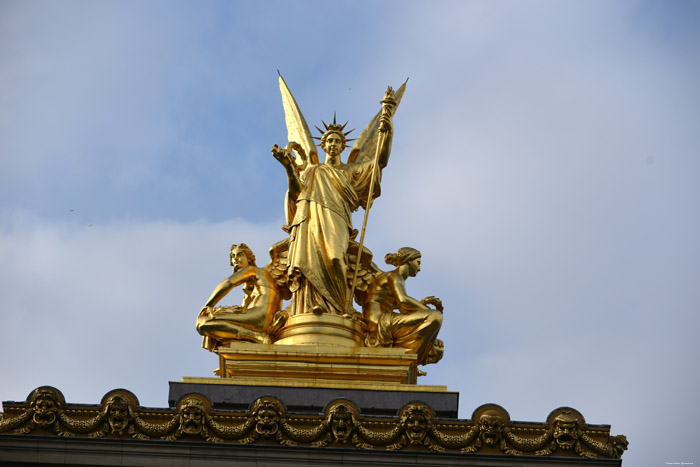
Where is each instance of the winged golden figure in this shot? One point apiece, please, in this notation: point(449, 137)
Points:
point(322, 196)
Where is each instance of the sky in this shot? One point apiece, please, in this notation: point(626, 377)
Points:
point(545, 161)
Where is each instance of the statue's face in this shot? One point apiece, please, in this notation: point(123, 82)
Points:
point(416, 427)
point(44, 407)
point(117, 415)
point(192, 420)
point(490, 426)
point(334, 144)
point(266, 417)
point(414, 267)
point(565, 434)
point(341, 424)
point(238, 259)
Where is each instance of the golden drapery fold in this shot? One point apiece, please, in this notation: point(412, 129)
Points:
point(319, 234)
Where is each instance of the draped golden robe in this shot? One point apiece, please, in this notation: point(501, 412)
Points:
point(319, 234)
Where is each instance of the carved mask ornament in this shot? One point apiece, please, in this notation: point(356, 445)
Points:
point(416, 422)
point(118, 414)
point(566, 430)
point(44, 405)
point(342, 422)
point(266, 415)
point(490, 426)
point(192, 417)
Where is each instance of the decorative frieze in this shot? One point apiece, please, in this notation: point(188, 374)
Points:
point(415, 427)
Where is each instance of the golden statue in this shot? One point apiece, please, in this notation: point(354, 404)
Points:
point(250, 321)
point(319, 204)
point(416, 326)
point(320, 268)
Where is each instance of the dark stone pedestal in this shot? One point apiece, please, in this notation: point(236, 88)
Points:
point(314, 400)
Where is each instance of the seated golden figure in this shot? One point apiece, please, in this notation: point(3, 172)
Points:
point(416, 326)
point(248, 322)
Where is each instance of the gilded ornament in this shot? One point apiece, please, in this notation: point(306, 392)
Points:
point(415, 427)
point(566, 432)
point(267, 413)
point(192, 414)
point(491, 425)
point(342, 420)
point(44, 402)
point(416, 421)
point(117, 415)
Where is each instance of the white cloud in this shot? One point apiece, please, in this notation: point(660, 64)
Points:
point(93, 308)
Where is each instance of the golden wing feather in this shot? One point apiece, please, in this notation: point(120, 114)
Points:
point(297, 129)
point(366, 272)
point(277, 266)
point(365, 146)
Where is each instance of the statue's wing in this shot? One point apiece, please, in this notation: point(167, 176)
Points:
point(297, 129)
point(279, 260)
point(366, 272)
point(365, 146)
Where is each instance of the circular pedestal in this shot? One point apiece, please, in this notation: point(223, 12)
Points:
point(322, 329)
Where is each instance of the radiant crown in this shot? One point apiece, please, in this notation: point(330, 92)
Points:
point(333, 128)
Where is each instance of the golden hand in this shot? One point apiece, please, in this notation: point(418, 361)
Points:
point(385, 123)
point(281, 155)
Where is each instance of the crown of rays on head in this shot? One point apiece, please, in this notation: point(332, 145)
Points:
point(334, 128)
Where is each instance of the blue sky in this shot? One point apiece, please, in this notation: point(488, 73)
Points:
point(545, 162)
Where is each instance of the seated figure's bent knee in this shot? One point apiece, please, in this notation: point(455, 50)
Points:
point(201, 323)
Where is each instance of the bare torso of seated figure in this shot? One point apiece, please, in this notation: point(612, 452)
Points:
point(248, 322)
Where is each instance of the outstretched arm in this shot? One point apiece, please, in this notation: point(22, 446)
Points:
point(284, 157)
point(386, 126)
point(236, 279)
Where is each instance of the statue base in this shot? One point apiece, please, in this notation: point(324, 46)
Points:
point(324, 329)
point(319, 365)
